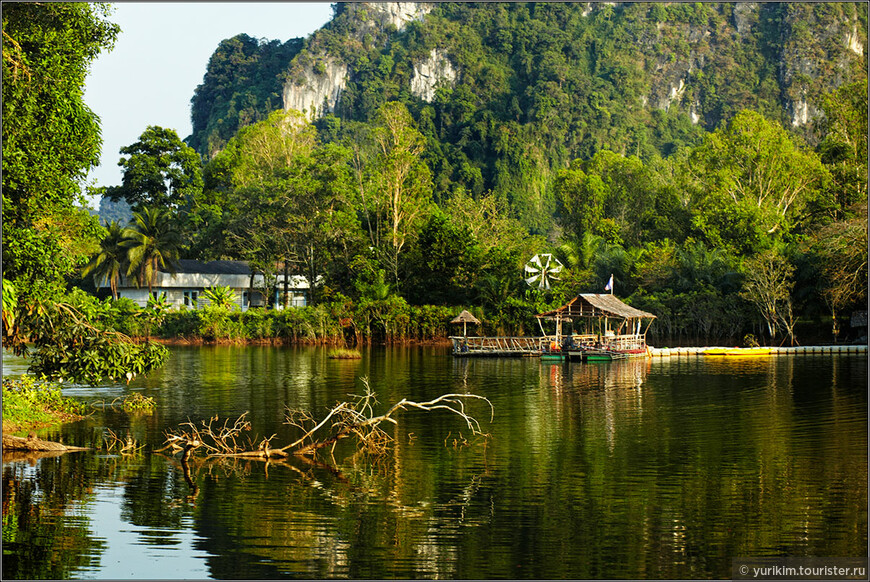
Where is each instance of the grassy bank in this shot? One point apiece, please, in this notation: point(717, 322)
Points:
point(29, 404)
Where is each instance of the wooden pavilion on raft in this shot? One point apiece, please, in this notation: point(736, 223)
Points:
point(603, 328)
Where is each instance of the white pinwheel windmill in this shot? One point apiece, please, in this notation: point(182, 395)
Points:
point(542, 269)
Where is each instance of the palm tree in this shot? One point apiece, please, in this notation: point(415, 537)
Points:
point(221, 296)
point(579, 258)
point(109, 262)
point(152, 243)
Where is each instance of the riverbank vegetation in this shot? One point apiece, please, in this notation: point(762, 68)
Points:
point(29, 404)
point(401, 212)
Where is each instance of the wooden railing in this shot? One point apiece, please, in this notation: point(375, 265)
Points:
point(498, 345)
point(506, 345)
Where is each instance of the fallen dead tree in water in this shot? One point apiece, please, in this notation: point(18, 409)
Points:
point(31, 443)
point(349, 419)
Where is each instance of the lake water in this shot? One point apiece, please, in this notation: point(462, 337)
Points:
point(633, 469)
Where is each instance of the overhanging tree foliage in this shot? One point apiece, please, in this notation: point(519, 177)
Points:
point(50, 140)
point(50, 137)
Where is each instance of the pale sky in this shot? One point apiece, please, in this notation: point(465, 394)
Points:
point(160, 57)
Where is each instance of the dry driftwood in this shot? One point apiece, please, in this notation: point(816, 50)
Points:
point(349, 419)
point(31, 443)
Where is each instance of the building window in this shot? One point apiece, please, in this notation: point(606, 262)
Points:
point(190, 298)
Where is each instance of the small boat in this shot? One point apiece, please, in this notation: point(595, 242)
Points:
point(603, 355)
point(737, 352)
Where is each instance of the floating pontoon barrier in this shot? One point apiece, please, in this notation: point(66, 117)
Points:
point(773, 351)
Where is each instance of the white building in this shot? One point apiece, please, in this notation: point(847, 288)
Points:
point(191, 278)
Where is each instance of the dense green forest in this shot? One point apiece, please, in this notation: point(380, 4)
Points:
point(661, 144)
point(541, 84)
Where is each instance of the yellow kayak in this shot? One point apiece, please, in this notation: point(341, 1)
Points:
point(737, 352)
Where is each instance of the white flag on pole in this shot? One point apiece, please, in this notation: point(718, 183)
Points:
point(609, 286)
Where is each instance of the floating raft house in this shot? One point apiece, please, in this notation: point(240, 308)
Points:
point(608, 328)
point(603, 327)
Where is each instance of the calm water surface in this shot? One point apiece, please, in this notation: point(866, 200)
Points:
point(634, 469)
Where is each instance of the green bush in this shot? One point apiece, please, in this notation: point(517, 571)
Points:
point(218, 323)
point(125, 316)
point(28, 402)
point(259, 324)
point(181, 324)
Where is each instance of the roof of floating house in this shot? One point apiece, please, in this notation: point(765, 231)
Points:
point(596, 305)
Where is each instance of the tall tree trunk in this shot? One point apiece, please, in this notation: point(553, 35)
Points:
point(286, 298)
point(312, 276)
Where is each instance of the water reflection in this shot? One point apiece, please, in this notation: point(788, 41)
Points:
point(632, 469)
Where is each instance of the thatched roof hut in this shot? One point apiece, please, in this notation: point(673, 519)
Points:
point(596, 305)
point(599, 308)
point(465, 318)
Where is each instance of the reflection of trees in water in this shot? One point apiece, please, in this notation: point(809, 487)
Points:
point(710, 458)
point(608, 391)
point(357, 518)
point(41, 539)
point(47, 499)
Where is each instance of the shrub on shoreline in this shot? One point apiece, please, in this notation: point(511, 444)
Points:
point(29, 403)
point(368, 321)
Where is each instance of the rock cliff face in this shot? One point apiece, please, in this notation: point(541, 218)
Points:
point(810, 41)
point(317, 90)
point(812, 64)
point(428, 75)
point(316, 83)
point(399, 14)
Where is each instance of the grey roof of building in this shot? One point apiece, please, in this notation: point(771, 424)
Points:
point(212, 267)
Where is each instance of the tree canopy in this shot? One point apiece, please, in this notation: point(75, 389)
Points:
point(50, 136)
point(50, 140)
point(159, 170)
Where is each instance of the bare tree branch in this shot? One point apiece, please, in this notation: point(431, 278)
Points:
point(353, 418)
